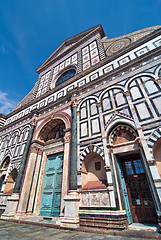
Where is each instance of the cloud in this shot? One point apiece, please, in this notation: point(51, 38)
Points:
point(6, 105)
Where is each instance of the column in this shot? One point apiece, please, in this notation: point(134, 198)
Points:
point(73, 149)
point(24, 159)
point(65, 177)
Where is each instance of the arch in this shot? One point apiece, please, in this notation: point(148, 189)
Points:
point(66, 69)
point(137, 76)
point(61, 116)
point(157, 72)
point(87, 98)
point(110, 88)
point(116, 122)
point(5, 162)
point(154, 136)
point(91, 148)
point(122, 133)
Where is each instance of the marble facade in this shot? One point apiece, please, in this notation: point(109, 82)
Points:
point(96, 101)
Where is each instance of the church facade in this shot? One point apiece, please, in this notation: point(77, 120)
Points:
point(84, 146)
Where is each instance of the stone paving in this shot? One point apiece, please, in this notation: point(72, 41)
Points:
point(14, 231)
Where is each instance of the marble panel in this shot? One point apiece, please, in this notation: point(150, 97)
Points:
point(157, 103)
point(94, 53)
point(93, 45)
point(95, 60)
point(108, 69)
point(95, 126)
point(124, 60)
point(86, 58)
point(142, 111)
point(86, 65)
point(74, 57)
point(84, 129)
point(157, 43)
point(94, 76)
point(141, 51)
point(85, 50)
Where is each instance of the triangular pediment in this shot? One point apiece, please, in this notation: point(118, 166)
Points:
point(69, 44)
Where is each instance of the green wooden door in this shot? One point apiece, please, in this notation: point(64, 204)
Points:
point(124, 191)
point(51, 195)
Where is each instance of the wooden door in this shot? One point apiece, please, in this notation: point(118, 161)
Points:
point(140, 199)
point(51, 195)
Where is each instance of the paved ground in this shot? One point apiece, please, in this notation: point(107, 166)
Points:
point(14, 231)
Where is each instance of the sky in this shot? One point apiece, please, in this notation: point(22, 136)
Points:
point(30, 30)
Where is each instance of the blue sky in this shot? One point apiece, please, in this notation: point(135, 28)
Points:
point(30, 30)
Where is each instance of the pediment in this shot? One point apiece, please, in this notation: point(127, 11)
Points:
point(69, 44)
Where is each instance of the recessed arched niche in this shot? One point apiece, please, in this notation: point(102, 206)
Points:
point(53, 130)
point(93, 174)
point(122, 134)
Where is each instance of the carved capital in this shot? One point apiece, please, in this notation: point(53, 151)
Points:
point(158, 80)
point(40, 151)
point(74, 102)
point(138, 141)
point(33, 121)
point(67, 138)
point(34, 149)
point(127, 93)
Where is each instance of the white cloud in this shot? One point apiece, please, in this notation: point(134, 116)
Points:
point(6, 105)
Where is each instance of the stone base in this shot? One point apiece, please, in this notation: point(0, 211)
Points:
point(105, 220)
point(71, 213)
point(69, 222)
point(11, 207)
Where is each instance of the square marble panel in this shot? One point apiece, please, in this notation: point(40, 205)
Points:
point(124, 60)
point(44, 90)
point(141, 51)
point(42, 78)
point(108, 69)
point(48, 74)
point(93, 45)
point(38, 94)
point(62, 65)
point(86, 58)
point(81, 83)
point(94, 76)
point(45, 83)
point(70, 88)
point(74, 57)
point(60, 94)
point(56, 69)
point(67, 62)
point(85, 50)
point(94, 53)
point(86, 65)
point(157, 43)
point(50, 99)
point(95, 60)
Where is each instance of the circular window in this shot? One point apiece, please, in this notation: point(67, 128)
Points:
point(65, 76)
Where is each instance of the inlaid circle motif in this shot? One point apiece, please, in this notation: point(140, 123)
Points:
point(118, 45)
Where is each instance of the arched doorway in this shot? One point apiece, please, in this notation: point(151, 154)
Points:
point(137, 196)
point(52, 136)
